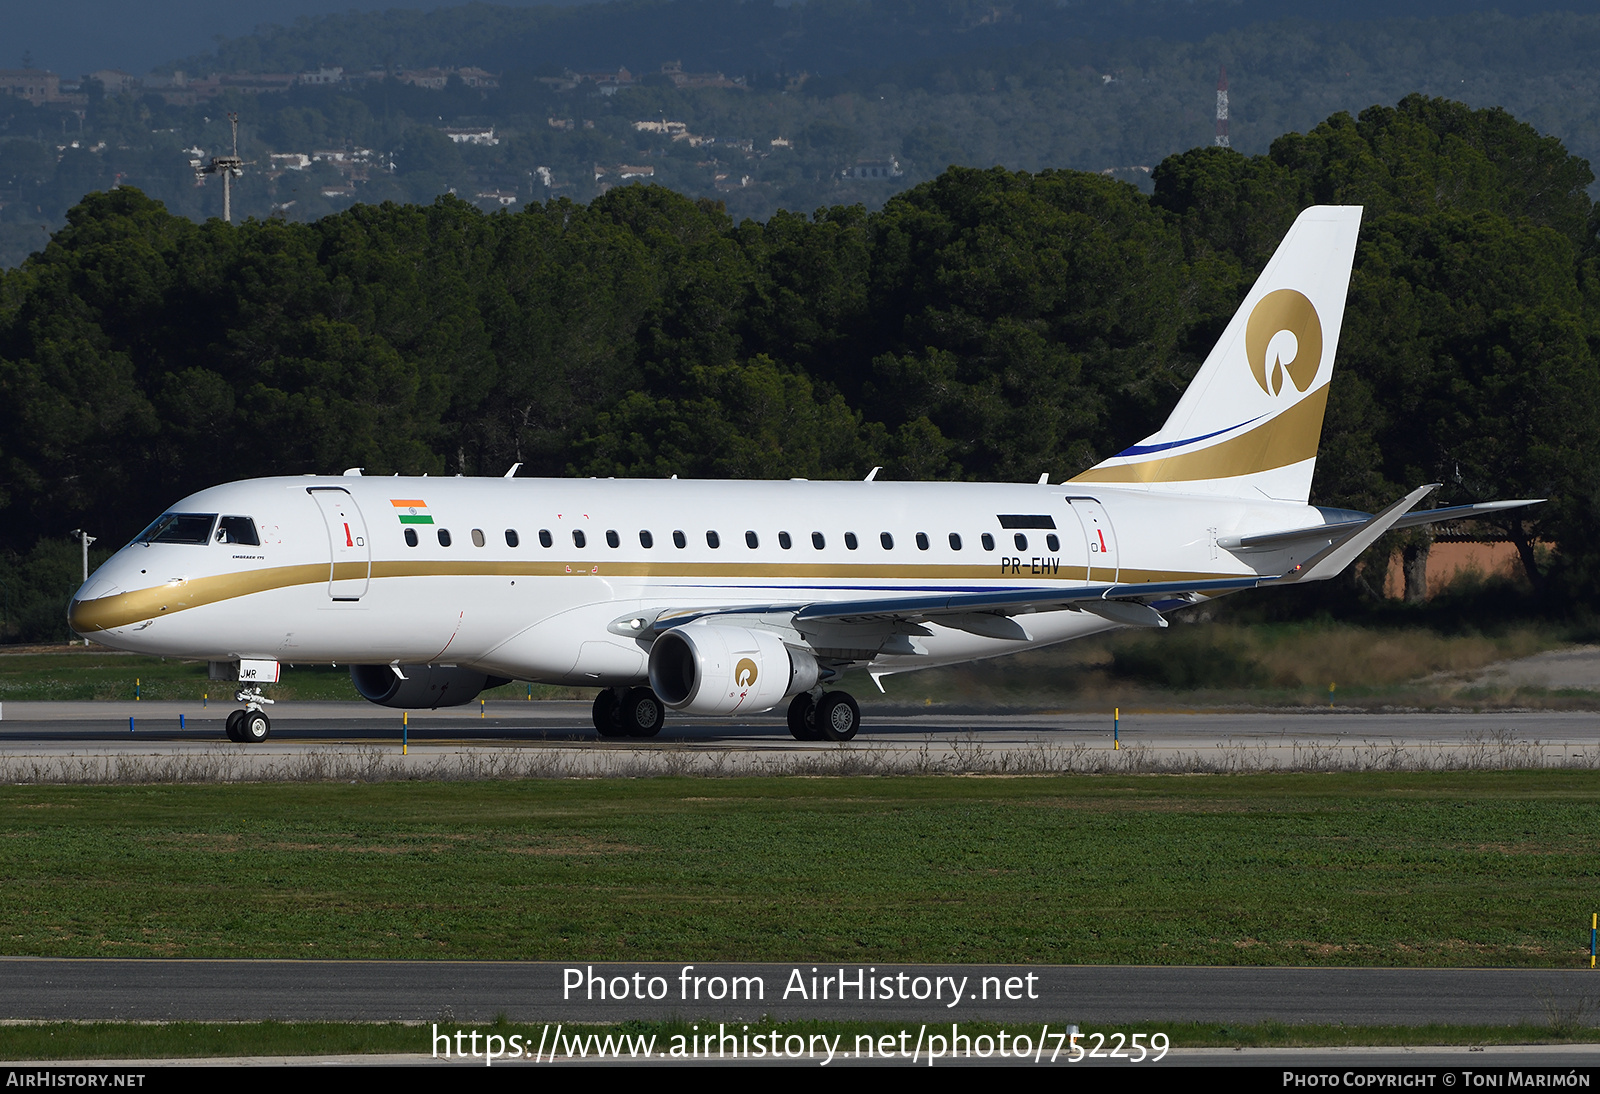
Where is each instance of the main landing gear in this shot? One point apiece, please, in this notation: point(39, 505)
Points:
point(628, 712)
point(250, 725)
point(832, 717)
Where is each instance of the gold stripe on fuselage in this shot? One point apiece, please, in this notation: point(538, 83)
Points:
point(125, 609)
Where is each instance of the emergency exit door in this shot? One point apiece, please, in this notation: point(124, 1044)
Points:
point(1100, 536)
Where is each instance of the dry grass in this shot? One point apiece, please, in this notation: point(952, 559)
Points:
point(1233, 665)
point(1500, 751)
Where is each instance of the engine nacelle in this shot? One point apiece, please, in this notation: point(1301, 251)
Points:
point(706, 668)
point(430, 686)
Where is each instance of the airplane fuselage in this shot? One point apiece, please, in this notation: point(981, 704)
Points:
point(523, 577)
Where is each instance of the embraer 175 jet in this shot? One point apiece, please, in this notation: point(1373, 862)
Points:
point(727, 598)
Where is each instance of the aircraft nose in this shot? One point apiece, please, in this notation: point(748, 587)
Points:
point(94, 607)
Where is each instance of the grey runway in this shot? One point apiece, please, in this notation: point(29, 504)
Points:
point(457, 992)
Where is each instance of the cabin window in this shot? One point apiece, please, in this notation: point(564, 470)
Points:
point(1053, 542)
point(887, 540)
point(545, 539)
point(850, 541)
point(751, 540)
point(240, 530)
point(411, 537)
point(922, 541)
point(1021, 542)
point(477, 537)
point(612, 539)
point(646, 540)
point(817, 541)
point(784, 541)
point(511, 538)
point(679, 540)
point(578, 538)
point(988, 542)
point(713, 540)
point(444, 537)
point(955, 541)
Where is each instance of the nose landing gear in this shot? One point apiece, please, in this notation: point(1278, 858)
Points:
point(250, 725)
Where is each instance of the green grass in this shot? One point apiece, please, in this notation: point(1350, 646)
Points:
point(1444, 869)
point(179, 1040)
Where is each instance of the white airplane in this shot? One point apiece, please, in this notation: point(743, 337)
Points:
point(726, 598)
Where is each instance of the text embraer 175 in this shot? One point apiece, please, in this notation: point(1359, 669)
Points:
point(727, 598)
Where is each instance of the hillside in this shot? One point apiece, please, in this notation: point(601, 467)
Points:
point(765, 139)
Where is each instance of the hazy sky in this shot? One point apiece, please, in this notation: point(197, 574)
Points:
point(77, 36)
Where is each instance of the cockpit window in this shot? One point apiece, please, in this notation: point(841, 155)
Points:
point(237, 530)
point(179, 528)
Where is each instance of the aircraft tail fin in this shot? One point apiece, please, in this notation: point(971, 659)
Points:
point(1249, 423)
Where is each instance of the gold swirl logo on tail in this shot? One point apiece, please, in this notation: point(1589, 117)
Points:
point(744, 673)
point(1284, 309)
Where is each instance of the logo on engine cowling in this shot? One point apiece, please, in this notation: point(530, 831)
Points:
point(745, 672)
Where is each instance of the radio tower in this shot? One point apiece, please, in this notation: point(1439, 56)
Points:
point(229, 167)
point(1222, 109)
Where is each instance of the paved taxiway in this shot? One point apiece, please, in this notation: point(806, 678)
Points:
point(149, 989)
point(60, 735)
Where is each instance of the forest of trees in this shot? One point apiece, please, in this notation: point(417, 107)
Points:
point(986, 324)
point(1022, 92)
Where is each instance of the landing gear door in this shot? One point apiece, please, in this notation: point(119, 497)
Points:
point(351, 563)
point(1101, 538)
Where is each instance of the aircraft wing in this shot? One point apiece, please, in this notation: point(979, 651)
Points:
point(1132, 604)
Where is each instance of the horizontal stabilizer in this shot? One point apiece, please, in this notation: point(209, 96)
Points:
point(1331, 561)
point(1337, 531)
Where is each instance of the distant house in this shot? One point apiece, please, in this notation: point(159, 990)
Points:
point(603, 80)
point(477, 77)
point(34, 84)
point(258, 83)
point(322, 77)
point(624, 171)
point(663, 126)
point(115, 81)
point(471, 135)
point(503, 197)
point(288, 161)
point(874, 169)
point(433, 79)
point(673, 70)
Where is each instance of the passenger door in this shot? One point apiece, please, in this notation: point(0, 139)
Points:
point(350, 565)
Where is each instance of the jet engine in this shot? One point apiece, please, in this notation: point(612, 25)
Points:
point(430, 686)
point(706, 668)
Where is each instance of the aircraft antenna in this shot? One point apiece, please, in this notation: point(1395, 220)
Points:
point(1222, 109)
point(229, 167)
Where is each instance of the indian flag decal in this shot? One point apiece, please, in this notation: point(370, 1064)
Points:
point(411, 510)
